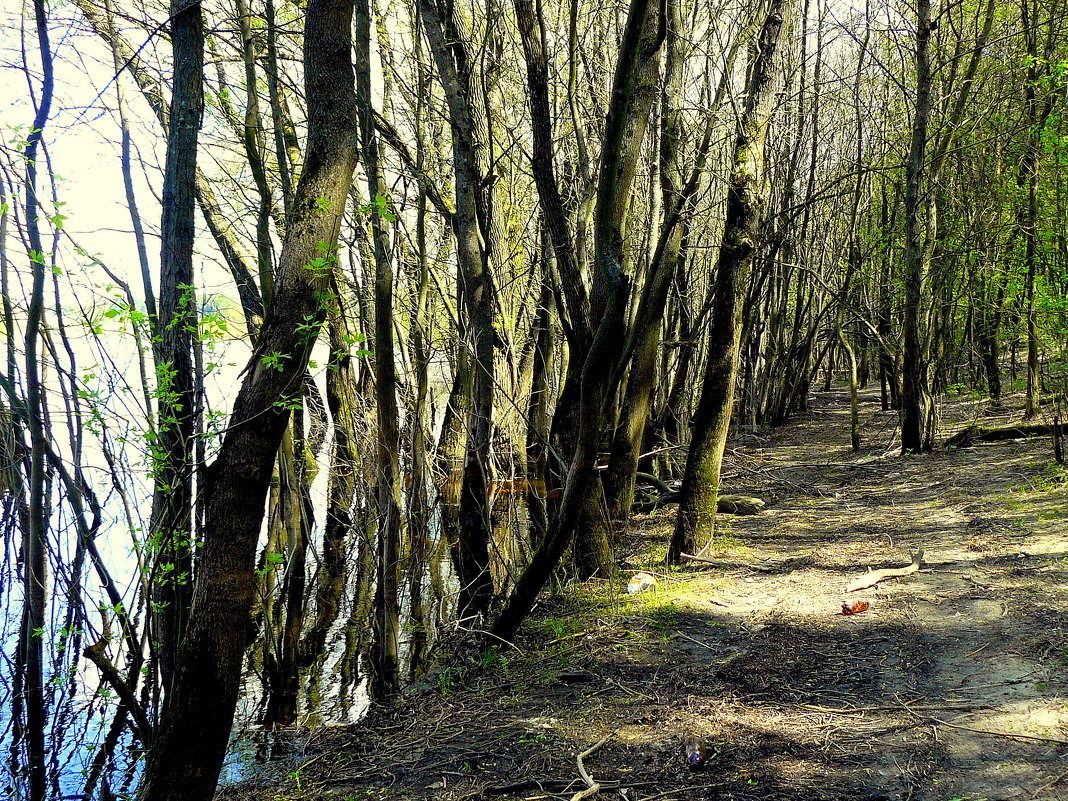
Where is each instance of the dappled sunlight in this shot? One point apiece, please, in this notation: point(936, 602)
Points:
point(951, 684)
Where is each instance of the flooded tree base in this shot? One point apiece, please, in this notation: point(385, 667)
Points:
point(950, 685)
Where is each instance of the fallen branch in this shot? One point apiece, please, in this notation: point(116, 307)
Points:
point(592, 787)
point(649, 478)
point(738, 505)
point(694, 641)
point(991, 733)
point(774, 567)
point(1050, 785)
point(543, 785)
point(873, 577)
point(682, 791)
point(725, 504)
point(689, 557)
point(858, 710)
point(972, 434)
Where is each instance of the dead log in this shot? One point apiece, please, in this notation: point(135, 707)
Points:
point(726, 505)
point(739, 505)
point(977, 433)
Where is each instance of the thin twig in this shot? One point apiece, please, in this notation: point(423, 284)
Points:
point(694, 558)
point(892, 708)
point(680, 791)
point(592, 787)
point(1009, 735)
point(696, 642)
point(1052, 784)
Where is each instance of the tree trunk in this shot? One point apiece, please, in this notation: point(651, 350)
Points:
point(385, 679)
point(741, 238)
point(1027, 180)
point(219, 225)
point(600, 370)
point(29, 691)
point(174, 466)
point(538, 413)
point(471, 224)
point(854, 422)
point(419, 508)
point(989, 329)
point(668, 255)
point(187, 756)
point(914, 385)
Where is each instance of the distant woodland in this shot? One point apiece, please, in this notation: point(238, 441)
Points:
point(410, 305)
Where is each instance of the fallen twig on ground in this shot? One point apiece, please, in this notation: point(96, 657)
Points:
point(991, 732)
point(681, 791)
point(689, 557)
point(592, 787)
point(695, 641)
point(873, 577)
point(893, 708)
point(1051, 784)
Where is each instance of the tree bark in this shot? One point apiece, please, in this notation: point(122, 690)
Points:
point(600, 370)
point(29, 687)
point(665, 262)
point(187, 756)
point(385, 677)
point(1036, 116)
point(741, 239)
point(474, 246)
point(173, 463)
point(915, 391)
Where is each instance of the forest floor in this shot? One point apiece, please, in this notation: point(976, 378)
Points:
point(952, 686)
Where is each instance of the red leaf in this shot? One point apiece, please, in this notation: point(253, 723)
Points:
point(858, 606)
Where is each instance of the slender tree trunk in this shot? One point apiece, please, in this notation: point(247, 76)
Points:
point(29, 689)
point(256, 152)
point(471, 223)
point(538, 412)
point(219, 225)
point(629, 435)
point(174, 467)
point(286, 146)
point(989, 329)
point(342, 397)
point(1027, 180)
point(601, 368)
point(385, 680)
point(419, 509)
point(914, 384)
point(741, 238)
point(187, 756)
point(854, 422)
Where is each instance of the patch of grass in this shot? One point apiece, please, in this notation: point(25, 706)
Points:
point(448, 680)
point(492, 659)
point(557, 627)
point(1054, 476)
point(663, 616)
point(541, 738)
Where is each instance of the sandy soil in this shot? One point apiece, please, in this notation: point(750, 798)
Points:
point(953, 685)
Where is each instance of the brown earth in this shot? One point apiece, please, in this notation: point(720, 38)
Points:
point(952, 686)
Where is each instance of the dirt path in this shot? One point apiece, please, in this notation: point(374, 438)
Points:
point(952, 686)
point(974, 642)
